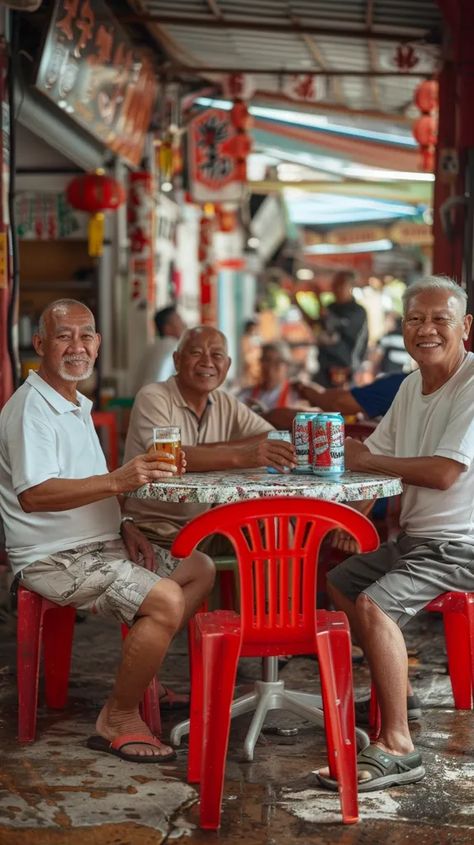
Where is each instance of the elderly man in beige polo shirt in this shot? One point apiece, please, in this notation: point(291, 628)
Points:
point(217, 431)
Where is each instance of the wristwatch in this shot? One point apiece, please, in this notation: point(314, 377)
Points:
point(126, 519)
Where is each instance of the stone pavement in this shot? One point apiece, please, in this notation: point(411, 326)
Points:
point(58, 792)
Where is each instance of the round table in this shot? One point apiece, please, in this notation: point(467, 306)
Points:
point(213, 488)
point(227, 486)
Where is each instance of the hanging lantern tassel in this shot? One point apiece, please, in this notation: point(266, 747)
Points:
point(95, 232)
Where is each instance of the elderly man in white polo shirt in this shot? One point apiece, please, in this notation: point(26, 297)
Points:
point(63, 528)
point(217, 431)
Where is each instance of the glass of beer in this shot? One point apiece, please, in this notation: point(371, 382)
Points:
point(167, 438)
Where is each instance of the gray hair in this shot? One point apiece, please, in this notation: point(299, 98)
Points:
point(435, 283)
point(197, 330)
point(280, 347)
point(63, 304)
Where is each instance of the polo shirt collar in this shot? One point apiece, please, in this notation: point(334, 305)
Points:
point(179, 399)
point(58, 402)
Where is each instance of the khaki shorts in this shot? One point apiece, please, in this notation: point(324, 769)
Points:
point(405, 574)
point(98, 577)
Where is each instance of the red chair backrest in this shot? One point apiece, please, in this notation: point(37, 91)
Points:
point(277, 544)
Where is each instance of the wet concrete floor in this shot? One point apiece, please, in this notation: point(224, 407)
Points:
point(58, 792)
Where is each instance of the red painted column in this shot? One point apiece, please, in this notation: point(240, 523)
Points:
point(456, 133)
point(6, 371)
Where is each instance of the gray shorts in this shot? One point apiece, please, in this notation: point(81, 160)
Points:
point(98, 577)
point(405, 574)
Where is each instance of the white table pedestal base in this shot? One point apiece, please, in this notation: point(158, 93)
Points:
point(271, 695)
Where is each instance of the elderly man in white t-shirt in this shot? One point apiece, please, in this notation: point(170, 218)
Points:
point(427, 437)
point(63, 529)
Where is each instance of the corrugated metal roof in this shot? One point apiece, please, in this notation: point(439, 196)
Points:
point(359, 38)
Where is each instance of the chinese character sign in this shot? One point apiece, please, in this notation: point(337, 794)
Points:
point(90, 69)
point(140, 233)
point(213, 158)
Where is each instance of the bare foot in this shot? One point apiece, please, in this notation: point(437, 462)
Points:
point(112, 723)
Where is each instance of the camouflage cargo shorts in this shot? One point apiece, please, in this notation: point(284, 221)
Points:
point(98, 577)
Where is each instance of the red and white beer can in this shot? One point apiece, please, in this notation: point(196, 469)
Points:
point(328, 444)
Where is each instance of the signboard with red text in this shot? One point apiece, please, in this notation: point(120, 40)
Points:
point(90, 69)
point(212, 160)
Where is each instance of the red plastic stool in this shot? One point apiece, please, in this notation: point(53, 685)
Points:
point(41, 623)
point(458, 619)
point(107, 420)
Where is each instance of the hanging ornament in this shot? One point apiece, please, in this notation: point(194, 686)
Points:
point(425, 128)
point(426, 96)
point(95, 193)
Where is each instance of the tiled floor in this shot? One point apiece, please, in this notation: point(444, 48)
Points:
point(57, 792)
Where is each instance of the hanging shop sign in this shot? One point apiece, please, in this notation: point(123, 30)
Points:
point(406, 233)
point(355, 235)
point(45, 215)
point(90, 69)
point(215, 157)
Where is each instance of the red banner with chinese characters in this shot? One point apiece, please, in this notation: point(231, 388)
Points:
point(140, 232)
point(91, 70)
point(212, 152)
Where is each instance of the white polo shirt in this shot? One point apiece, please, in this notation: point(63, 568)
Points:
point(42, 436)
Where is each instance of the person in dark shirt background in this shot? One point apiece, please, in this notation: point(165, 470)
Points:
point(343, 336)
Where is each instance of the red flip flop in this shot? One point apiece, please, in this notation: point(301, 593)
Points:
point(100, 743)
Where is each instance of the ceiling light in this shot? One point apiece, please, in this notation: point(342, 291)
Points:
point(167, 187)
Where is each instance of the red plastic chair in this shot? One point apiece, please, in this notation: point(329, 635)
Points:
point(44, 625)
point(458, 619)
point(107, 420)
point(277, 544)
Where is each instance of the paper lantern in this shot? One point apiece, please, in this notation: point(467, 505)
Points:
point(239, 115)
point(95, 193)
point(425, 130)
point(426, 96)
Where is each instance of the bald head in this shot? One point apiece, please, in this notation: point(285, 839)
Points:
point(60, 308)
point(199, 333)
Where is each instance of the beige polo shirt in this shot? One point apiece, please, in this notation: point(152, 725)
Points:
point(225, 419)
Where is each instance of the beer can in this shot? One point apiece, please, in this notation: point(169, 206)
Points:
point(328, 444)
point(279, 435)
point(303, 440)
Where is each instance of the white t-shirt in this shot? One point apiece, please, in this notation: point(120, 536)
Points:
point(42, 436)
point(441, 423)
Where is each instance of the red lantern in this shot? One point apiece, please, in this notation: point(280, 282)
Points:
point(425, 130)
point(95, 193)
point(426, 96)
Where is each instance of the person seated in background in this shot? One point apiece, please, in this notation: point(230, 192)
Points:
point(157, 363)
point(372, 400)
point(274, 390)
point(427, 438)
point(217, 431)
point(64, 535)
point(391, 355)
point(250, 344)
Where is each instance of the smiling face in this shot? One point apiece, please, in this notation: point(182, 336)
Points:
point(202, 362)
point(68, 347)
point(434, 329)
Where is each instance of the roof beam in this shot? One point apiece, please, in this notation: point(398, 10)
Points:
point(281, 71)
point(261, 25)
